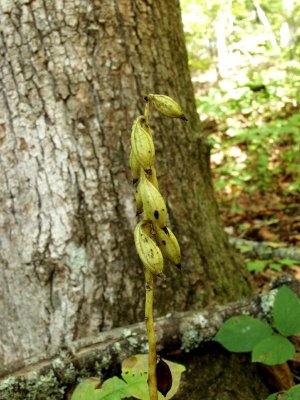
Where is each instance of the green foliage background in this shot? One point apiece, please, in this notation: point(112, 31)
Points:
point(251, 114)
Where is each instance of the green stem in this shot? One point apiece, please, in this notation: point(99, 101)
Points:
point(152, 384)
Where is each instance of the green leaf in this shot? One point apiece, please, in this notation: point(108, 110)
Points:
point(87, 389)
point(273, 350)
point(276, 266)
point(279, 396)
point(286, 312)
point(294, 393)
point(242, 333)
point(258, 265)
point(135, 373)
point(112, 389)
point(289, 262)
point(137, 385)
point(272, 396)
point(244, 248)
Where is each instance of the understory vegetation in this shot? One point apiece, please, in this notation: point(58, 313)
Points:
point(244, 61)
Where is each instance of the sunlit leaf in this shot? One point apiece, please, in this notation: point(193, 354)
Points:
point(87, 389)
point(289, 262)
point(257, 265)
point(244, 248)
point(112, 389)
point(276, 266)
point(135, 373)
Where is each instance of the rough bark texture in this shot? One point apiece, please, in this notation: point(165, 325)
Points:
point(73, 75)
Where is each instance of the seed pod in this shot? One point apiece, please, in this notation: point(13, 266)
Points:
point(153, 202)
point(166, 106)
point(151, 176)
point(138, 201)
point(147, 249)
point(168, 244)
point(142, 143)
point(134, 166)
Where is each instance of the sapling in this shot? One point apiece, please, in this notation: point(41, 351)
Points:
point(153, 239)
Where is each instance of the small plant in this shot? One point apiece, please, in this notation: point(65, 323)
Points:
point(278, 265)
point(269, 346)
point(133, 382)
point(153, 239)
point(145, 376)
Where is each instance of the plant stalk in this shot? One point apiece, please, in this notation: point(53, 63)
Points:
point(152, 358)
point(147, 112)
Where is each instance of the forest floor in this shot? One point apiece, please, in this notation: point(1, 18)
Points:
point(255, 163)
point(271, 218)
point(265, 218)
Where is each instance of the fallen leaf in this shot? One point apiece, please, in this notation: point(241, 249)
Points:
point(280, 375)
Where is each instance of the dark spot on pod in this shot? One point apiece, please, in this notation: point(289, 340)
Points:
point(164, 242)
point(178, 266)
point(156, 214)
point(144, 237)
point(134, 181)
point(138, 213)
point(148, 171)
point(146, 98)
point(183, 117)
point(165, 229)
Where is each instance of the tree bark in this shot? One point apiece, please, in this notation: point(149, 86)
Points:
point(73, 76)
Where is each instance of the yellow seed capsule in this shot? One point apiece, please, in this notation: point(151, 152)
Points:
point(151, 176)
point(138, 201)
point(153, 203)
point(135, 167)
point(142, 143)
point(168, 244)
point(147, 249)
point(166, 106)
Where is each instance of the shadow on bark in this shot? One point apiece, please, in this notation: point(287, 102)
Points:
point(212, 373)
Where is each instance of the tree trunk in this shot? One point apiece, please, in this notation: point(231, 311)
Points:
point(73, 77)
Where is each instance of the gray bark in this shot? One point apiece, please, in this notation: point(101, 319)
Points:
point(73, 76)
